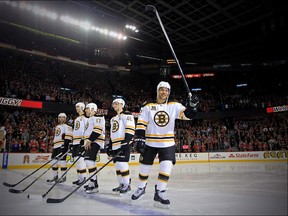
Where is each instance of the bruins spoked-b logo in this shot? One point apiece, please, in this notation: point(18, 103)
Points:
point(86, 126)
point(77, 125)
point(57, 131)
point(115, 126)
point(161, 118)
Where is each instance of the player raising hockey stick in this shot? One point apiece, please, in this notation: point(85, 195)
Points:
point(155, 135)
point(94, 140)
point(62, 138)
point(121, 133)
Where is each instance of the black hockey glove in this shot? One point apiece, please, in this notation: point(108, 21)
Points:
point(140, 145)
point(63, 136)
point(82, 142)
point(193, 102)
point(124, 147)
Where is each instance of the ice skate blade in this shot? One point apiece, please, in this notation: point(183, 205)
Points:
point(124, 194)
point(93, 191)
point(160, 205)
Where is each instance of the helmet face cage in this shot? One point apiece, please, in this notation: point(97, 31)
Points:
point(120, 101)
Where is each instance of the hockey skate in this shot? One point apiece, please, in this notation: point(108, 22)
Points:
point(125, 190)
point(92, 187)
point(138, 194)
point(117, 189)
point(62, 180)
point(54, 179)
point(78, 182)
point(159, 200)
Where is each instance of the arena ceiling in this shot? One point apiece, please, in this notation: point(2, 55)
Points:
point(200, 31)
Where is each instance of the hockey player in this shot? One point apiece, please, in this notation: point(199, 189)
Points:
point(155, 135)
point(78, 142)
point(62, 138)
point(121, 134)
point(94, 140)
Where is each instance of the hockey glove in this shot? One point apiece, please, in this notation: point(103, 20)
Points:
point(124, 147)
point(63, 136)
point(140, 145)
point(82, 142)
point(193, 102)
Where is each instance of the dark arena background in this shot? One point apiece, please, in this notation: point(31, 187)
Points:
point(231, 158)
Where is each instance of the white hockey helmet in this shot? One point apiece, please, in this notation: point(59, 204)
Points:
point(163, 84)
point(92, 106)
point(62, 115)
point(80, 104)
point(119, 100)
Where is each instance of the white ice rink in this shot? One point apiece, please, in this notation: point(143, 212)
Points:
point(193, 189)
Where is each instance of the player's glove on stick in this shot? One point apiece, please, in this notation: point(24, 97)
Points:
point(193, 102)
point(140, 145)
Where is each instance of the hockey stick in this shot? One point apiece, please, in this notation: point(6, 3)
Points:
point(53, 200)
point(13, 185)
point(31, 196)
point(12, 190)
point(153, 8)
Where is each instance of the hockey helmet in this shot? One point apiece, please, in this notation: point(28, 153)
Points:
point(62, 115)
point(80, 104)
point(163, 84)
point(92, 106)
point(119, 100)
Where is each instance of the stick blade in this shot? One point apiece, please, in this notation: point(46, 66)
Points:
point(12, 190)
point(51, 200)
point(150, 8)
point(8, 185)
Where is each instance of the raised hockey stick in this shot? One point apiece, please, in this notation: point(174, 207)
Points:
point(12, 190)
point(153, 8)
point(32, 196)
point(55, 200)
point(13, 185)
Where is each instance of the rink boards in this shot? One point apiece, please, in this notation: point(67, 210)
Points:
point(35, 160)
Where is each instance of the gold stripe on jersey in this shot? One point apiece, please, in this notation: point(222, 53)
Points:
point(77, 137)
point(160, 140)
point(141, 127)
point(117, 139)
point(160, 135)
point(116, 143)
point(97, 127)
point(69, 137)
point(58, 141)
point(140, 121)
point(130, 127)
point(130, 131)
point(182, 115)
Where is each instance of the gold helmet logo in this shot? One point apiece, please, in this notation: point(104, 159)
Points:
point(161, 118)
